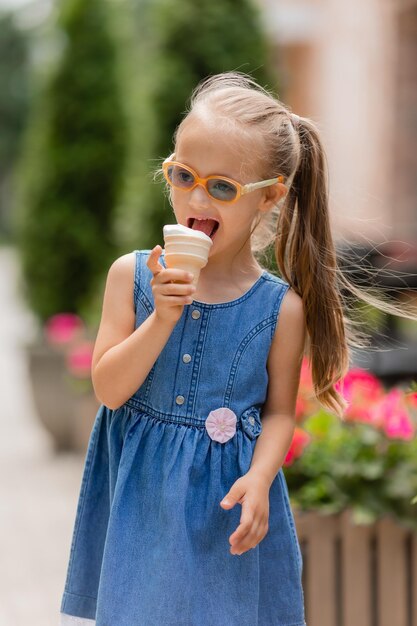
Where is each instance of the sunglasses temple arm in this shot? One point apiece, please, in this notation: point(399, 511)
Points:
point(264, 183)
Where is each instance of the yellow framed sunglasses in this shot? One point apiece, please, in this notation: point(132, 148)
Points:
point(220, 188)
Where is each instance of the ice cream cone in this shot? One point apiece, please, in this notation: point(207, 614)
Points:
point(186, 249)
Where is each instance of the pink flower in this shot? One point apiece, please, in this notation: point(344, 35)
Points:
point(299, 441)
point(362, 390)
point(306, 403)
point(221, 424)
point(79, 359)
point(411, 399)
point(392, 416)
point(63, 328)
point(306, 381)
point(300, 408)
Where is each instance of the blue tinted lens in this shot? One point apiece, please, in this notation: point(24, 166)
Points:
point(180, 177)
point(221, 189)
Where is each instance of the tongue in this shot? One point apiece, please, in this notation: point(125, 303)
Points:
point(206, 226)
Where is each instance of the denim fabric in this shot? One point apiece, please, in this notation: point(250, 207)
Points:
point(151, 542)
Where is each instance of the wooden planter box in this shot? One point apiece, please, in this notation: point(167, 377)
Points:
point(357, 575)
point(68, 416)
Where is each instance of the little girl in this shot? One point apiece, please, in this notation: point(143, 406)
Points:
point(198, 385)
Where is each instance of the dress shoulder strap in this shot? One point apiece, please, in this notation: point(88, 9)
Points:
point(278, 289)
point(142, 291)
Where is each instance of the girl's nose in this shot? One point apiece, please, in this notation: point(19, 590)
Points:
point(199, 196)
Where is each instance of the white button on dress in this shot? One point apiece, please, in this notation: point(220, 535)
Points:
point(186, 358)
point(179, 399)
point(195, 314)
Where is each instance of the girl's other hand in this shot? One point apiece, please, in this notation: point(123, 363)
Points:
point(252, 493)
point(169, 297)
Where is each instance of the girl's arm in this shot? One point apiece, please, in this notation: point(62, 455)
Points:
point(278, 413)
point(252, 489)
point(123, 356)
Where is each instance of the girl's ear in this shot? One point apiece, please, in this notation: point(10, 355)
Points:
point(271, 196)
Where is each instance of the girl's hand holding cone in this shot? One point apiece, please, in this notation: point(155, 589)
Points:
point(170, 297)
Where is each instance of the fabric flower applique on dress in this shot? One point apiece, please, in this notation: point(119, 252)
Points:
point(221, 424)
point(251, 422)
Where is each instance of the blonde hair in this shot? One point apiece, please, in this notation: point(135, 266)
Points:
point(299, 226)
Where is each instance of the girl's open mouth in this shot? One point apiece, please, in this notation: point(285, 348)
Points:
point(207, 226)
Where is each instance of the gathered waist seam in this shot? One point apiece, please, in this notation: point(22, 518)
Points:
point(198, 422)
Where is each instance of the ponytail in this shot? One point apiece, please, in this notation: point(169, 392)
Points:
point(306, 257)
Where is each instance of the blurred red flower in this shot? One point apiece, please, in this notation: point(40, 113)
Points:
point(63, 328)
point(361, 390)
point(79, 359)
point(411, 399)
point(300, 408)
point(306, 403)
point(391, 414)
point(306, 380)
point(299, 441)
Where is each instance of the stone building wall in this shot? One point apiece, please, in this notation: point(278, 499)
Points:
point(352, 67)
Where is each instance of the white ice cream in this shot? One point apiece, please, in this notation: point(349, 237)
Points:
point(179, 229)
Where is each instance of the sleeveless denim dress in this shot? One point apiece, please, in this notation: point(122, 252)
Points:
point(150, 545)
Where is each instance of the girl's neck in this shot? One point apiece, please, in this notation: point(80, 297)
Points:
point(221, 281)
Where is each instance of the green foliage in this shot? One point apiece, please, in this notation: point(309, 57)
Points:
point(354, 465)
point(14, 98)
point(14, 88)
point(72, 167)
point(189, 42)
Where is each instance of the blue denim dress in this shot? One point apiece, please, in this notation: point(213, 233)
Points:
point(151, 542)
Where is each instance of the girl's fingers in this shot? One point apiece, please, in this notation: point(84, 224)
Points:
point(176, 289)
point(249, 540)
point(153, 263)
point(179, 300)
point(249, 522)
point(169, 298)
point(170, 274)
point(241, 534)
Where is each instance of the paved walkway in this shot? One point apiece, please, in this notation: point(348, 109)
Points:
point(38, 488)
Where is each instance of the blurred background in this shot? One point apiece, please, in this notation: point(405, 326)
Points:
point(91, 92)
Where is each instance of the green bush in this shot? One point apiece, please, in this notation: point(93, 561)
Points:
point(72, 167)
point(184, 41)
point(14, 98)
